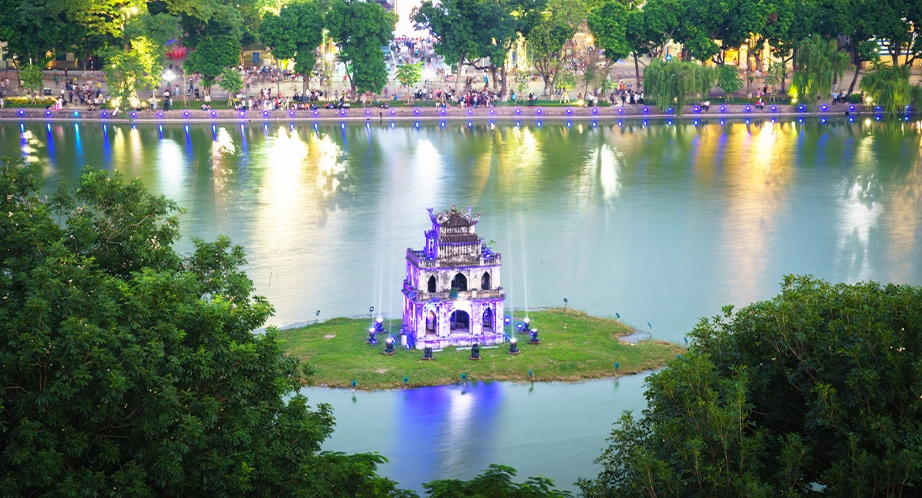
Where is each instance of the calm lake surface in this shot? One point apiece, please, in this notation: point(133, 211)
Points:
point(663, 224)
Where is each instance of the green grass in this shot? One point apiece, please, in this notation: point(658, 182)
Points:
point(574, 346)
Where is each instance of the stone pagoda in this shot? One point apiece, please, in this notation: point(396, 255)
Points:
point(453, 294)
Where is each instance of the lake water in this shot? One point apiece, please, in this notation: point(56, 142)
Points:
point(660, 223)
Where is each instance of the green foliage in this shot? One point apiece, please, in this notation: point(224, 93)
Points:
point(890, 89)
point(775, 74)
point(817, 63)
point(559, 22)
point(409, 75)
point(361, 29)
point(728, 79)
point(672, 83)
point(819, 385)
point(452, 23)
point(130, 370)
point(231, 82)
point(31, 77)
point(33, 28)
point(495, 482)
point(133, 70)
point(294, 33)
point(211, 56)
point(607, 22)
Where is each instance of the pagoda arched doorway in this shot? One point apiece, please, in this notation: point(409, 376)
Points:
point(431, 284)
point(459, 282)
point(485, 281)
point(488, 319)
point(459, 321)
point(432, 323)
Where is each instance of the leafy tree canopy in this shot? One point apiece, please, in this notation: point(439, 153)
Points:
point(495, 482)
point(815, 392)
point(130, 370)
point(361, 29)
point(211, 56)
point(295, 33)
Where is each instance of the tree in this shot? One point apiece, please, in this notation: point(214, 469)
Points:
point(231, 82)
point(295, 33)
point(728, 79)
point(649, 29)
point(409, 75)
point(565, 81)
point(495, 482)
point(133, 70)
point(812, 393)
point(451, 22)
point(132, 370)
point(818, 62)
point(890, 89)
point(361, 29)
point(35, 28)
point(608, 23)
point(673, 82)
point(559, 22)
point(211, 56)
point(31, 77)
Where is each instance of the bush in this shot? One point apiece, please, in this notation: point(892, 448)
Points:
point(42, 102)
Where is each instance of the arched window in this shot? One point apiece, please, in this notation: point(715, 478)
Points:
point(485, 281)
point(431, 287)
point(459, 282)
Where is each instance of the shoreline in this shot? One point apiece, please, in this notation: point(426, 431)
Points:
point(575, 347)
point(431, 113)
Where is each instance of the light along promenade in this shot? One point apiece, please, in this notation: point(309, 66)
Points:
point(431, 113)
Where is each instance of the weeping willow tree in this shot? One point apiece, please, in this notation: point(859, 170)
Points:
point(816, 64)
point(889, 87)
point(672, 83)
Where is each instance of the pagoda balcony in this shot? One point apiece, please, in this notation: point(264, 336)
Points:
point(462, 295)
point(419, 259)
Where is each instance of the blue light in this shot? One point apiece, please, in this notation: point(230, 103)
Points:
point(774, 108)
point(392, 112)
point(392, 124)
point(620, 110)
point(594, 124)
point(696, 109)
point(722, 122)
point(469, 124)
point(800, 120)
point(316, 113)
point(723, 108)
point(877, 117)
point(696, 122)
point(851, 108)
point(644, 123)
point(367, 112)
point(539, 111)
point(801, 107)
point(416, 111)
point(518, 124)
point(851, 119)
point(292, 113)
point(823, 120)
point(595, 110)
point(470, 112)
point(748, 109)
point(105, 114)
point(48, 113)
point(518, 111)
point(669, 122)
point(134, 115)
point(646, 110)
point(492, 111)
point(539, 124)
point(442, 112)
point(265, 114)
point(417, 125)
point(747, 121)
point(76, 114)
point(620, 123)
point(342, 126)
point(669, 111)
point(569, 111)
point(21, 112)
point(214, 114)
point(824, 107)
point(159, 114)
point(569, 124)
point(342, 112)
point(185, 114)
point(442, 124)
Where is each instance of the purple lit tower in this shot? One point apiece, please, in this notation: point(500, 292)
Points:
point(452, 293)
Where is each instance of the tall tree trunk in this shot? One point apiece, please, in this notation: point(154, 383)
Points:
point(851, 87)
point(502, 73)
point(637, 69)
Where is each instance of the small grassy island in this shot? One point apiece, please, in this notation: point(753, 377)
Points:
point(574, 346)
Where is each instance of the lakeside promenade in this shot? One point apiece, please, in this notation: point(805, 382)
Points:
point(429, 112)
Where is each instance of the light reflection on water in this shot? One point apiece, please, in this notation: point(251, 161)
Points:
point(662, 224)
point(544, 429)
